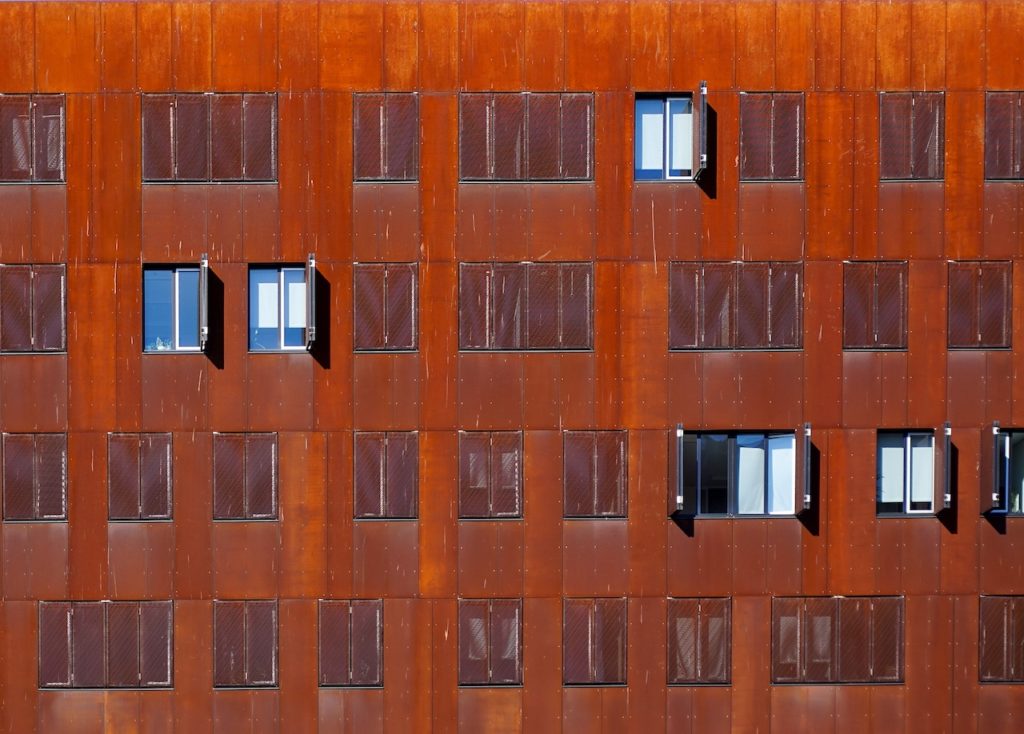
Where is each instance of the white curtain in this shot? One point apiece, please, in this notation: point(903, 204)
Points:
point(922, 468)
point(750, 474)
point(891, 463)
point(782, 474)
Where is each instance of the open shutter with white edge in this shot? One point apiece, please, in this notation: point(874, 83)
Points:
point(702, 131)
point(943, 480)
point(310, 301)
point(204, 301)
point(804, 498)
point(992, 491)
point(686, 491)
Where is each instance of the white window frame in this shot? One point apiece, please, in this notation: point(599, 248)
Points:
point(733, 500)
point(666, 137)
point(1004, 467)
point(175, 315)
point(908, 474)
point(280, 271)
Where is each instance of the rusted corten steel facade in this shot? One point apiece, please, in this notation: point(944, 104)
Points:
point(104, 223)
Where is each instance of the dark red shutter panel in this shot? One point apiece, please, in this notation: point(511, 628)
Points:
point(51, 475)
point(506, 474)
point(610, 473)
point(752, 305)
point(509, 298)
point(994, 616)
point(1015, 643)
point(259, 132)
point(891, 305)
point(755, 136)
point(579, 473)
point(858, 305)
point(787, 136)
point(887, 639)
point(994, 305)
point(402, 136)
point(928, 135)
point(509, 137)
point(504, 627)
point(474, 306)
point(368, 134)
point(261, 642)
point(157, 138)
point(228, 476)
point(192, 137)
point(542, 305)
point(576, 309)
point(155, 457)
point(785, 307)
point(1000, 139)
point(334, 643)
point(543, 145)
point(367, 643)
point(963, 304)
point(683, 305)
point(15, 308)
point(229, 643)
point(156, 620)
point(682, 640)
point(19, 475)
point(473, 642)
point(401, 306)
point(718, 304)
point(123, 475)
point(226, 136)
point(854, 639)
point(368, 301)
point(577, 138)
point(474, 474)
point(820, 623)
point(894, 114)
point(402, 479)
point(48, 308)
point(15, 138)
point(577, 635)
point(610, 641)
point(261, 475)
point(87, 645)
point(48, 130)
point(54, 644)
point(475, 136)
point(715, 644)
point(123, 644)
point(369, 474)
point(787, 639)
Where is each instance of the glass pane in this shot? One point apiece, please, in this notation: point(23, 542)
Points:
point(750, 474)
point(922, 472)
point(294, 307)
point(681, 138)
point(890, 472)
point(263, 310)
point(188, 308)
point(714, 474)
point(158, 314)
point(1015, 491)
point(649, 143)
point(781, 474)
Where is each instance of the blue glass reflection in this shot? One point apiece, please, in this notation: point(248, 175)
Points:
point(158, 310)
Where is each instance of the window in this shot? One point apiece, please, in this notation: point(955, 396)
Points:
point(699, 641)
point(31, 138)
point(738, 305)
point(106, 644)
point(384, 303)
point(244, 643)
point(490, 642)
point(244, 476)
point(738, 473)
point(979, 305)
point(35, 467)
point(32, 308)
point(1004, 147)
point(351, 642)
point(771, 136)
point(1007, 487)
point(906, 472)
point(209, 137)
point(875, 305)
point(526, 137)
point(837, 639)
point(490, 474)
point(386, 474)
point(595, 473)
point(594, 641)
point(525, 306)
point(282, 307)
point(385, 136)
point(175, 307)
point(911, 135)
point(139, 476)
point(663, 138)
point(1001, 639)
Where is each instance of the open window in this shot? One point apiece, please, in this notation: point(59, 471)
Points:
point(1002, 486)
point(282, 307)
point(175, 307)
point(913, 471)
point(665, 146)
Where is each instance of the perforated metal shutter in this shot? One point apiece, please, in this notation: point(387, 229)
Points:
point(157, 137)
point(368, 136)
point(402, 474)
point(755, 136)
point(226, 136)
point(895, 110)
point(259, 137)
point(368, 303)
point(402, 136)
point(400, 306)
point(192, 137)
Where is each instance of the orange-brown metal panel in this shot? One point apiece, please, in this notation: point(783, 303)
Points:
point(118, 38)
point(858, 49)
point(755, 45)
point(140, 560)
point(351, 45)
point(1004, 22)
point(965, 66)
point(245, 46)
point(191, 41)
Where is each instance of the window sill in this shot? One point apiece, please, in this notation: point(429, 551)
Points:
point(289, 350)
point(661, 181)
point(615, 684)
point(112, 689)
point(148, 352)
point(245, 519)
point(253, 687)
point(790, 684)
point(34, 354)
point(140, 520)
point(34, 521)
point(884, 181)
point(31, 182)
point(700, 684)
point(716, 516)
point(352, 687)
point(772, 180)
point(979, 349)
point(874, 349)
point(389, 181)
point(500, 518)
